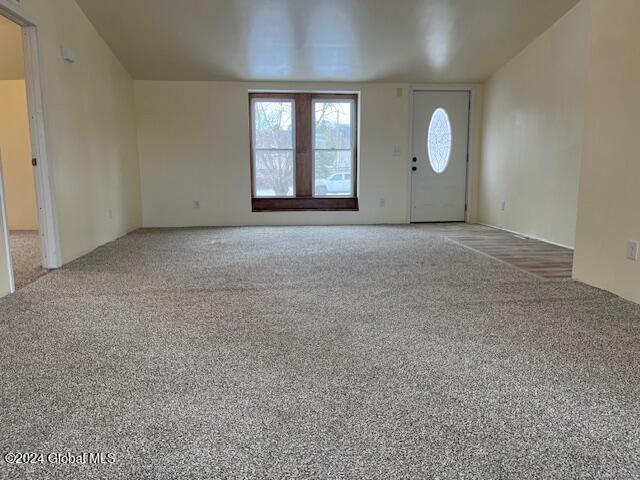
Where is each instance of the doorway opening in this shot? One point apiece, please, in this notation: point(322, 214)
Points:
point(20, 202)
point(28, 232)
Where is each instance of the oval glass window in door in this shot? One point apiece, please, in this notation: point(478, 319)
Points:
point(439, 140)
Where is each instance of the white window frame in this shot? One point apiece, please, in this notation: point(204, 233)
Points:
point(255, 149)
point(314, 149)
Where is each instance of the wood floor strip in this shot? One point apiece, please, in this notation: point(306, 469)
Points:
point(544, 260)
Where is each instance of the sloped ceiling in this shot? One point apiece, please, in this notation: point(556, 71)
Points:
point(328, 40)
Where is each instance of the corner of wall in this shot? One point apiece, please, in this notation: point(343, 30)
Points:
point(533, 125)
point(609, 194)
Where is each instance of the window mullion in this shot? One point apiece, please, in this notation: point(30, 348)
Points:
point(304, 161)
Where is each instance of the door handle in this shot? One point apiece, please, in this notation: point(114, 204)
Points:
point(415, 159)
point(414, 168)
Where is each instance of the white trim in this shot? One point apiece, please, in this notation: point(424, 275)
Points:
point(254, 149)
point(353, 148)
point(526, 235)
point(13, 11)
point(302, 90)
point(5, 231)
point(473, 166)
point(43, 176)
point(51, 257)
point(472, 144)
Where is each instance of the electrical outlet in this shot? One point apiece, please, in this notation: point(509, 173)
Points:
point(503, 205)
point(632, 251)
point(383, 202)
point(196, 204)
point(397, 151)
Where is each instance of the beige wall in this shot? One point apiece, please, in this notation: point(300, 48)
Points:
point(91, 130)
point(15, 150)
point(563, 115)
point(608, 213)
point(533, 133)
point(194, 145)
point(11, 59)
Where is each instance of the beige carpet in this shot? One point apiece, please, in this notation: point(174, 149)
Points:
point(25, 256)
point(316, 353)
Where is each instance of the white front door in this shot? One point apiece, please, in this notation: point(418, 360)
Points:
point(440, 153)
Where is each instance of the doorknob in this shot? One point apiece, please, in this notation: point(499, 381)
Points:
point(415, 159)
point(414, 168)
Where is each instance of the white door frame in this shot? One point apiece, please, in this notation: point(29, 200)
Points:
point(472, 164)
point(5, 231)
point(43, 174)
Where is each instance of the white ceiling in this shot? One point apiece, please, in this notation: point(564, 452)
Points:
point(331, 40)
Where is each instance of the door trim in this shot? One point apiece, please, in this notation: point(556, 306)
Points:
point(473, 152)
point(43, 174)
point(5, 231)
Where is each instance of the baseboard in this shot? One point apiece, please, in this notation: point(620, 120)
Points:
point(526, 235)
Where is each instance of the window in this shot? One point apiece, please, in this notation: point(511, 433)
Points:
point(274, 147)
point(439, 140)
point(333, 147)
point(303, 151)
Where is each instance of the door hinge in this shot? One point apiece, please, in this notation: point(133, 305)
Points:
point(34, 162)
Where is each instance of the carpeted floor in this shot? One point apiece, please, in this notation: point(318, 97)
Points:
point(316, 352)
point(25, 256)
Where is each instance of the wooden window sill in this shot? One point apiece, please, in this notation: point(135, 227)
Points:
point(302, 204)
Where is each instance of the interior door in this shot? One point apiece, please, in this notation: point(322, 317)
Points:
point(440, 155)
